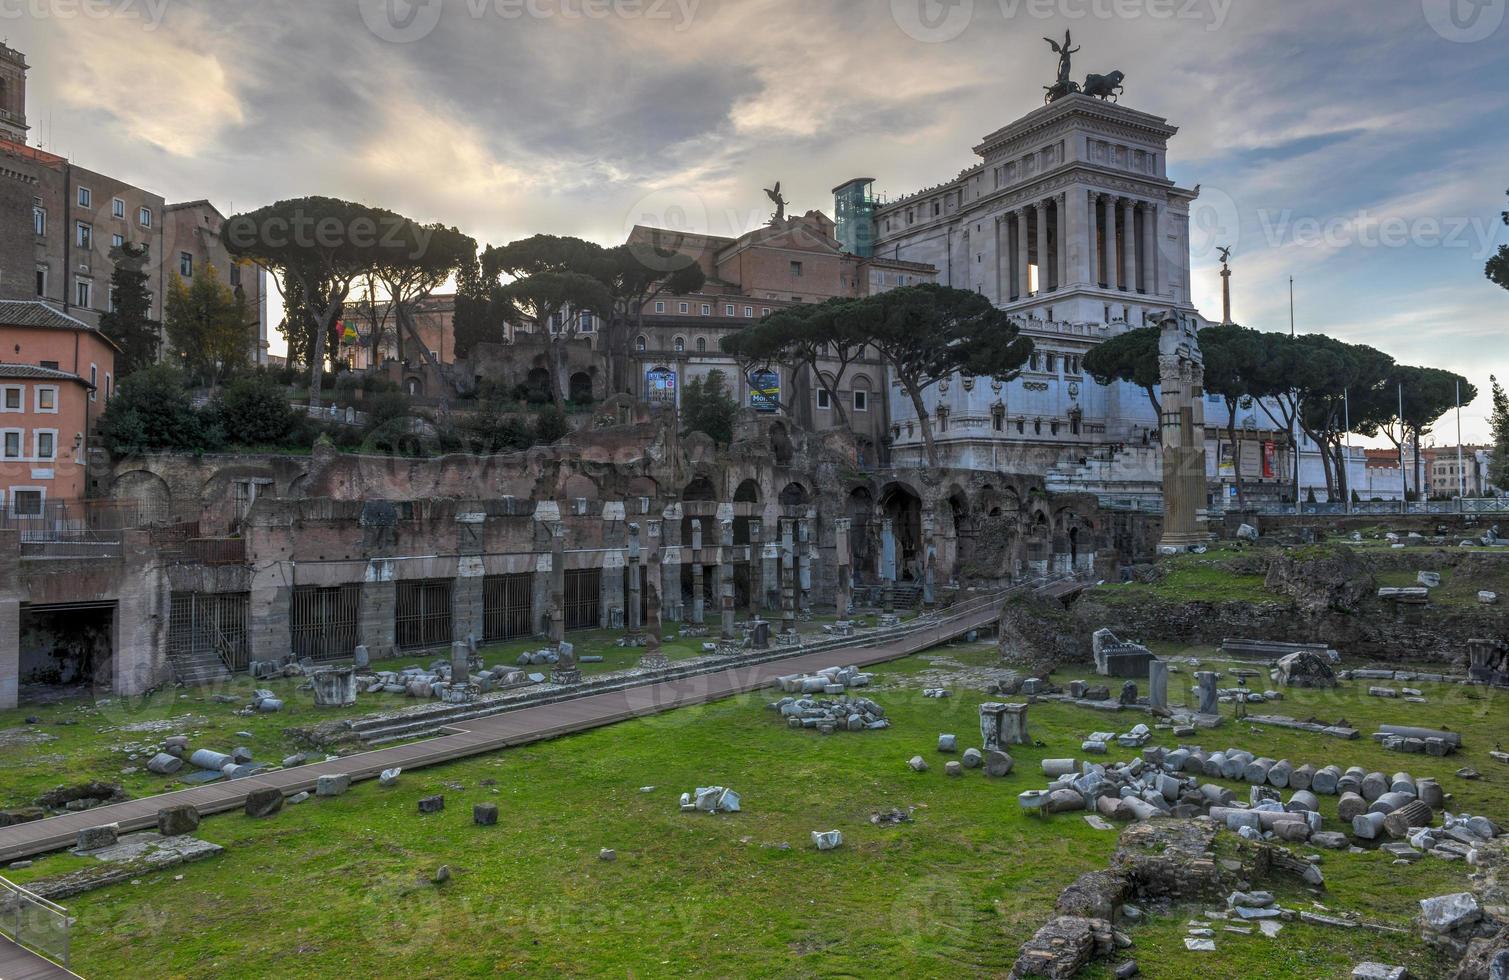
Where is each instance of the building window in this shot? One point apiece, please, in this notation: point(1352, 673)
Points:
point(796, 269)
point(824, 400)
point(13, 399)
point(26, 503)
point(117, 207)
point(749, 312)
point(660, 306)
point(144, 217)
point(39, 220)
point(764, 311)
point(86, 199)
point(679, 344)
point(47, 400)
point(44, 445)
point(701, 345)
point(728, 309)
point(13, 443)
point(41, 280)
point(685, 308)
point(116, 241)
point(588, 323)
point(83, 235)
point(109, 386)
point(83, 292)
point(94, 380)
point(185, 265)
point(1021, 427)
point(861, 401)
point(1034, 361)
point(639, 342)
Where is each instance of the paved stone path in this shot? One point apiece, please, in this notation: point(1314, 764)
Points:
point(487, 734)
point(19, 963)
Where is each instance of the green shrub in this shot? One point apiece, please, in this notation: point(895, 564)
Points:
point(254, 411)
point(151, 411)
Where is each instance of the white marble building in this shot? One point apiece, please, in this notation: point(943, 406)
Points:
point(1069, 221)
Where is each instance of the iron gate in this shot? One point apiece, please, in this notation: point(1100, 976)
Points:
point(209, 624)
point(584, 598)
point(322, 620)
point(507, 606)
point(422, 616)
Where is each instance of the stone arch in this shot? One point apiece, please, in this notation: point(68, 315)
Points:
point(862, 531)
point(149, 491)
point(537, 386)
point(643, 486)
point(902, 504)
point(413, 386)
point(579, 388)
point(748, 492)
point(701, 488)
point(579, 487)
point(794, 495)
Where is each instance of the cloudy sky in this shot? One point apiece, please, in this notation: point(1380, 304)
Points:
point(1361, 147)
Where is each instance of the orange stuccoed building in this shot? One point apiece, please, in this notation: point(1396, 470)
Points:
point(56, 376)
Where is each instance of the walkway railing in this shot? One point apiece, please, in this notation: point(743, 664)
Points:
point(32, 921)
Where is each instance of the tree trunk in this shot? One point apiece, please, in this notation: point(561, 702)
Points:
point(832, 390)
point(927, 426)
point(1236, 455)
point(557, 372)
point(317, 357)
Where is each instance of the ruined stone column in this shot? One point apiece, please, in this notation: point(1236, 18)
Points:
point(1003, 724)
point(806, 553)
point(468, 598)
point(653, 658)
point(565, 671)
point(376, 608)
point(461, 652)
point(611, 585)
point(844, 592)
point(1157, 685)
point(770, 564)
point(756, 567)
point(887, 567)
point(670, 564)
point(633, 618)
point(788, 576)
point(929, 562)
point(1210, 698)
point(1181, 369)
point(699, 586)
point(726, 576)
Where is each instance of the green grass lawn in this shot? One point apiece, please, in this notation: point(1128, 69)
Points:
point(86, 737)
point(341, 887)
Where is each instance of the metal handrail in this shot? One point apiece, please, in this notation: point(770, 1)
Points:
point(14, 903)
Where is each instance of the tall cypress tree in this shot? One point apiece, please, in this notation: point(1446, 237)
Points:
point(129, 322)
point(1498, 466)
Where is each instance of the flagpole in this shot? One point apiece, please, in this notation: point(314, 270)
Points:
point(1346, 462)
point(1461, 468)
point(1403, 478)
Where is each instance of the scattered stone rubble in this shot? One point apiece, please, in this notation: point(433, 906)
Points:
point(436, 682)
point(829, 715)
point(1418, 741)
point(829, 680)
point(710, 799)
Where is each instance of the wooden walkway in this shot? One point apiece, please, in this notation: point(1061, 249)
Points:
point(19, 963)
point(517, 727)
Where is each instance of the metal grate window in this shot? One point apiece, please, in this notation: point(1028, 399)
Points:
point(507, 606)
point(322, 621)
point(422, 617)
point(584, 598)
point(204, 625)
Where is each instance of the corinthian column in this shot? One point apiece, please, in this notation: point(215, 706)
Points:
point(1112, 274)
point(1061, 240)
point(1093, 265)
point(1150, 249)
point(1022, 280)
point(1040, 232)
point(1129, 232)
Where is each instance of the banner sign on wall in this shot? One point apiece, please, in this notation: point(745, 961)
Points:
point(764, 391)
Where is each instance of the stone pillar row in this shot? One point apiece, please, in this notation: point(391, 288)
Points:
point(1128, 259)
